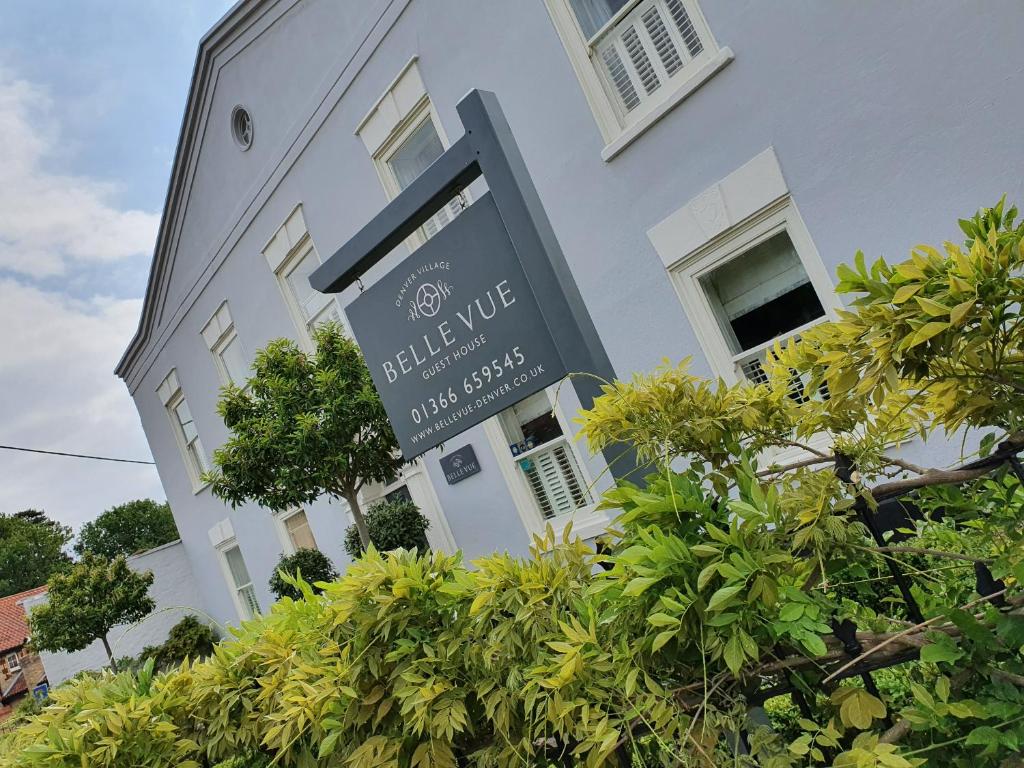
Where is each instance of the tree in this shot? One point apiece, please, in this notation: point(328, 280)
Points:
point(85, 603)
point(128, 528)
point(305, 425)
point(311, 564)
point(31, 550)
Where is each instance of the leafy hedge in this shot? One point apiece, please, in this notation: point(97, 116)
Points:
point(723, 583)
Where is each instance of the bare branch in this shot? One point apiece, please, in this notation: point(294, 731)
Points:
point(906, 633)
point(925, 551)
point(778, 470)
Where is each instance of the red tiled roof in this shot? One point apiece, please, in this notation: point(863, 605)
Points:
point(13, 623)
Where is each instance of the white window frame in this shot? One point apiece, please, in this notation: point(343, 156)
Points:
point(15, 666)
point(305, 327)
point(171, 395)
point(218, 333)
point(243, 608)
point(403, 107)
point(618, 127)
point(686, 275)
point(290, 244)
point(422, 113)
point(281, 522)
point(587, 521)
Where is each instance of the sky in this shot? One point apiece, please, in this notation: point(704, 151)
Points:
point(91, 98)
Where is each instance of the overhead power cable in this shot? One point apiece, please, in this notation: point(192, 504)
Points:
point(75, 455)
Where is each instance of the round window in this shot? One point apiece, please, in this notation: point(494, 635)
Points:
point(241, 127)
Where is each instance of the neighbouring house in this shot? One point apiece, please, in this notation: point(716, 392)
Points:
point(175, 593)
point(21, 670)
point(704, 165)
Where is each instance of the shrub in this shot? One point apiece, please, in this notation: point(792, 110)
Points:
point(721, 584)
point(393, 525)
point(313, 565)
point(188, 639)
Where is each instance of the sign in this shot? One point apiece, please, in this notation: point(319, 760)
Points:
point(454, 334)
point(460, 465)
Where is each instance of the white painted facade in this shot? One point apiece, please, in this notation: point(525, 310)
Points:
point(783, 135)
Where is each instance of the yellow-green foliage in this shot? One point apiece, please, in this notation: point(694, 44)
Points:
point(723, 578)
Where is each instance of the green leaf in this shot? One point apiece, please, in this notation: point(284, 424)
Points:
point(927, 331)
point(724, 596)
point(941, 649)
point(663, 620)
point(662, 638)
point(791, 611)
point(858, 708)
point(905, 292)
point(638, 585)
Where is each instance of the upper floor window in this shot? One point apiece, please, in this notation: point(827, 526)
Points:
point(13, 662)
point(636, 59)
point(228, 355)
point(292, 257)
point(184, 429)
point(312, 307)
point(403, 135)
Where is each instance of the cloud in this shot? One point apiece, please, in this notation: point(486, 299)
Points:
point(59, 342)
point(50, 221)
point(60, 394)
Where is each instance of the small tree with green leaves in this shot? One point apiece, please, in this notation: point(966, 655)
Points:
point(87, 602)
point(134, 526)
point(305, 425)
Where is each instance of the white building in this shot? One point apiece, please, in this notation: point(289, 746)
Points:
point(705, 165)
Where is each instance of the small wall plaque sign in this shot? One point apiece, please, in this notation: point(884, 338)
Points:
point(459, 465)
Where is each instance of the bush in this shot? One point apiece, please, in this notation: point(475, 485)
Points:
point(393, 525)
point(188, 639)
point(312, 564)
point(719, 586)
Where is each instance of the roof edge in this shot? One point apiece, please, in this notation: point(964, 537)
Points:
point(224, 29)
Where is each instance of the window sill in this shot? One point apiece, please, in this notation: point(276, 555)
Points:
point(197, 489)
point(587, 523)
point(632, 132)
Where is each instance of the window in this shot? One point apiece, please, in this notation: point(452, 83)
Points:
point(241, 127)
point(228, 354)
point(13, 662)
point(543, 457)
point(311, 306)
point(296, 527)
point(752, 287)
point(244, 593)
point(403, 135)
point(414, 149)
point(636, 59)
point(292, 258)
point(184, 428)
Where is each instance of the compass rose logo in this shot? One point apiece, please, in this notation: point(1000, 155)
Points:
point(429, 298)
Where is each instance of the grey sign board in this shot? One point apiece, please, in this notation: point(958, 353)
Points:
point(454, 334)
point(459, 465)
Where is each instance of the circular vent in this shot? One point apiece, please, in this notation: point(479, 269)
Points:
point(241, 127)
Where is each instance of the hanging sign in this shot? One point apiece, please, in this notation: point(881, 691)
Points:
point(454, 334)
